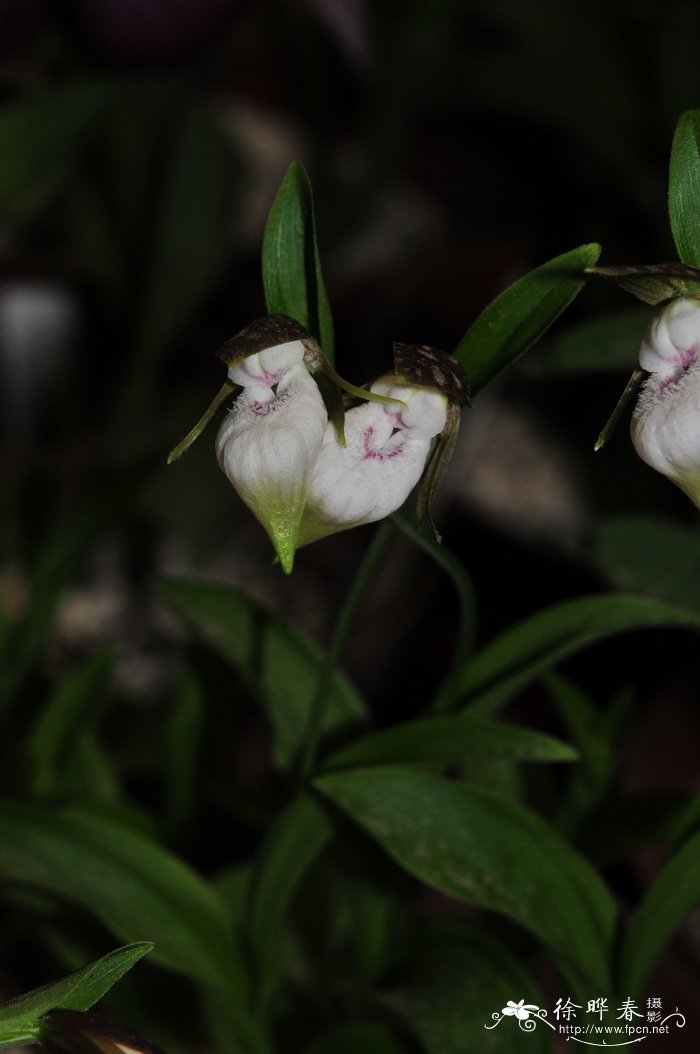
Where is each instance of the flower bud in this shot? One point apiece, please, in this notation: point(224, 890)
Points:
point(666, 422)
point(386, 451)
point(268, 443)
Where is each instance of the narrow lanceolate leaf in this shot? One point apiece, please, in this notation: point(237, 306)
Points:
point(136, 888)
point(73, 710)
point(291, 263)
point(654, 283)
point(489, 853)
point(534, 646)
point(684, 187)
point(300, 833)
point(274, 658)
point(673, 894)
point(450, 739)
point(520, 315)
point(20, 1018)
point(655, 556)
point(459, 979)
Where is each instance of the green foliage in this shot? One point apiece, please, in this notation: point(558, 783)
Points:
point(684, 187)
point(450, 739)
point(673, 894)
point(291, 263)
point(649, 555)
point(537, 644)
point(126, 880)
point(461, 977)
point(183, 743)
point(522, 314)
point(310, 921)
point(20, 1019)
point(654, 283)
point(296, 838)
point(488, 853)
point(67, 719)
point(275, 659)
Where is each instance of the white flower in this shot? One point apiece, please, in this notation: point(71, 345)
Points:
point(386, 451)
point(268, 444)
point(666, 422)
point(672, 340)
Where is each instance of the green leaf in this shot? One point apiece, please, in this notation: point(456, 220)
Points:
point(355, 1037)
point(623, 826)
point(274, 658)
point(522, 654)
point(649, 555)
point(589, 779)
point(74, 709)
point(183, 736)
point(606, 343)
point(449, 739)
point(136, 888)
point(675, 891)
point(520, 315)
point(489, 853)
point(459, 980)
point(63, 549)
point(20, 1018)
point(298, 836)
point(654, 283)
point(291, 263)
point(684, 187)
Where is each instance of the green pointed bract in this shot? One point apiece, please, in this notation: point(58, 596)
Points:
point(611, 424)
point(193, 435)
point(654, 283)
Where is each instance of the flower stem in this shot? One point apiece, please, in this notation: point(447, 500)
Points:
point(446, 694)
point(363, 578)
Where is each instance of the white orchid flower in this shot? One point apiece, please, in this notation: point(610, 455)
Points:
point(666, 422)
point(383, 459)
point(386, 451)
point(268, 443)
point(303, 476)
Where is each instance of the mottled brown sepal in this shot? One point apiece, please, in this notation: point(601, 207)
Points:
point(431, 368)
point(260, 334)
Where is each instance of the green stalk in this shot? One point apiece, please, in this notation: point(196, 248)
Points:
point(364, 577)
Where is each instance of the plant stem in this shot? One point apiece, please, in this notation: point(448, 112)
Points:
point(466, 595)
point(343, 624)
